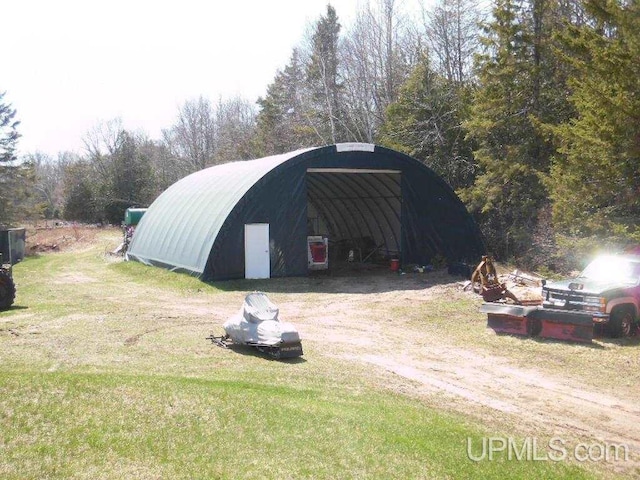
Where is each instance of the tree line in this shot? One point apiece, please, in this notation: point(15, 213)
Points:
point(529, 109)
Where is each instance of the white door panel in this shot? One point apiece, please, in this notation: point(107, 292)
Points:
point(257, 261)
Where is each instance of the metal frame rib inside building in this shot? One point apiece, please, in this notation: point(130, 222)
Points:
point(370, 202)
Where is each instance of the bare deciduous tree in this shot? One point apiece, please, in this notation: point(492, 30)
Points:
point(235, 124)
point(375, 63)
point(452, 28)
point(101, 142)
point(49, 180)
point(206, 135)
point(192, 139)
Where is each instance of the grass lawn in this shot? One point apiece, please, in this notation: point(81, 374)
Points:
point(105, 373)
point(90, 425)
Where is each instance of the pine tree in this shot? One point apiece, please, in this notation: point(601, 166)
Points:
point(130, 183)
point(117, 173)
point(520, 91)
point(281, 124)
point(324, 82)
point(80, 202)
point(8, 131)
point(425, 123)
point(16, 177)
point(595, 180)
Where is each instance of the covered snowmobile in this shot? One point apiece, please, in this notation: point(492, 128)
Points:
point(257, 325)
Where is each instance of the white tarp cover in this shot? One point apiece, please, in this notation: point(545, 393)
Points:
point(257, 323)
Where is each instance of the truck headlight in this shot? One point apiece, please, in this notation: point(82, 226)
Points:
point(595, 304)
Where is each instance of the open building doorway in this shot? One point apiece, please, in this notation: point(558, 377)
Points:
point(357, 212)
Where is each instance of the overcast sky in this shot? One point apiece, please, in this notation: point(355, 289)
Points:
point(67, 65)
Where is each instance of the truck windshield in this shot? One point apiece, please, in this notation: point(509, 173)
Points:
point(613, 269)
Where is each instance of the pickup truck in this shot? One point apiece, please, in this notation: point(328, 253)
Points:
point(603, 299)
point(608, 290)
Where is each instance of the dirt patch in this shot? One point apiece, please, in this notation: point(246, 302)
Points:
point(72, 278)
point(62, 237)
point(418, 360)
point(538, 401)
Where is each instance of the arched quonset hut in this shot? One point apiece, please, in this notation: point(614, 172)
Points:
point(215, 222)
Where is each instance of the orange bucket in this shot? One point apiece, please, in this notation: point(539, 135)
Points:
point(395, 265)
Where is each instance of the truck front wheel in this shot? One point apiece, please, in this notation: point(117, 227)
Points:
point(621, 322)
